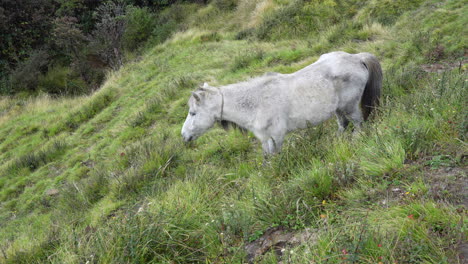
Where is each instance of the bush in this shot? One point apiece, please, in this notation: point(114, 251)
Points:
point(107, 37)
point(91, 70)
point(140, 25)
point(25, 77)
point(5, 85)
point(225, 4)
point(67, 37)
point(168, 21)
point(24, 27)
point(61, 81)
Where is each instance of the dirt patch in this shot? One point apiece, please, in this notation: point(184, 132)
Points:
point(278, 239)
point(52, 192)
point(449, 184)
point(444, 66)
point(463, 253)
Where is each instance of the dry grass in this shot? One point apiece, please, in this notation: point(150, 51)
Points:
point(251, 13)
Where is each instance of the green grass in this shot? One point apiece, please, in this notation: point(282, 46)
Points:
point(130, 191)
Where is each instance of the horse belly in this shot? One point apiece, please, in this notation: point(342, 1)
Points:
point(313, 117)
point(313, 106)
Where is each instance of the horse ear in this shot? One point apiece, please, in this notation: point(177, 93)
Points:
point(203, 87)
point(196, 96)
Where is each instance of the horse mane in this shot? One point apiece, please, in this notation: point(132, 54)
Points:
point(262, 80)
point(226, 125)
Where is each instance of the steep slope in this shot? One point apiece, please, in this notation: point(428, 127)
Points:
point(107, 179)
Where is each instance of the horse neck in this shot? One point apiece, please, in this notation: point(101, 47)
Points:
point(233, 110)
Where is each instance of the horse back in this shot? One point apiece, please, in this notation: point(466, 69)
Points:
point(337, 80)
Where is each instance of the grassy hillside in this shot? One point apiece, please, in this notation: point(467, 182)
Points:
point(106, 178)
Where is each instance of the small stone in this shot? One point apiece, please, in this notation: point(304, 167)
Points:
point(52, 192)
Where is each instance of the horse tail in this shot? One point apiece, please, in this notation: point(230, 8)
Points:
point(371, 96)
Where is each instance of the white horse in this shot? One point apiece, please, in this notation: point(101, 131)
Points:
point(341, 84)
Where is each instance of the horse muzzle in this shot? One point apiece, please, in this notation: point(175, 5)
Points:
point(188, 138)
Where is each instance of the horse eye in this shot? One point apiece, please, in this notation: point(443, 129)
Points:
point(192, 113)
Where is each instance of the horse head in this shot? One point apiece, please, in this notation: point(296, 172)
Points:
point(205, 108)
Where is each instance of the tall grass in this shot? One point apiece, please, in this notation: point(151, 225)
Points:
point(107, 179)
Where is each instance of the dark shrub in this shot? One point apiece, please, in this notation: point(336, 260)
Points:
point(168, 22)
point(107, 37)
point(25, 77)
point(91, 70)
point(225, 4)
point(61, 81)
point(140, 23)
point(67, 37)
point(24, 27)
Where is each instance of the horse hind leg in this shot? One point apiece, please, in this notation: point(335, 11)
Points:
point(356, 117)
point(343, 121)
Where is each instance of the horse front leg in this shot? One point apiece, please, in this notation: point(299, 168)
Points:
point(272, 139)
point(269, 147)
point(272, 144)
point(268, 150)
